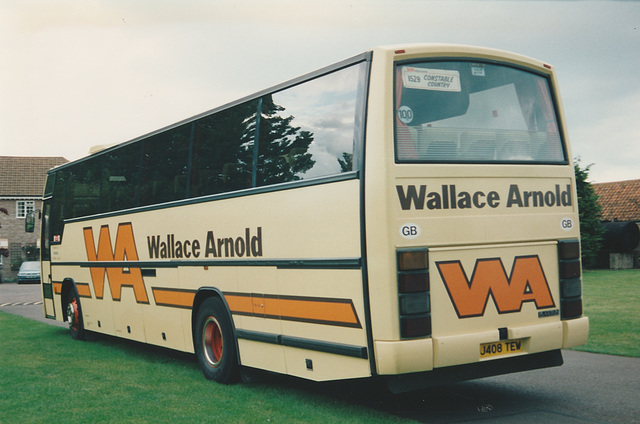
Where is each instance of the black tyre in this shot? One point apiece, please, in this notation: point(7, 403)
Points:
point(74, 315)
point(214, 342)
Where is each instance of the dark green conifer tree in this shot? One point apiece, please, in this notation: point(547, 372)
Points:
point(590, 216)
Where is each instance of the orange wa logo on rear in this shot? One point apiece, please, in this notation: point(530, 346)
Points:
point(119, 275)
point(526, 283)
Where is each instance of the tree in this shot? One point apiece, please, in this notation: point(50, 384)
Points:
point(282, 148)
point(346, 163)
point(590, 216)
point(224, 151)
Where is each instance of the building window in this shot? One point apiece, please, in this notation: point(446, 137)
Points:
point(23, 207)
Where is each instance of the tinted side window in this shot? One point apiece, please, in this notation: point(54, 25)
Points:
point(223, 150)
point(120, 177)
point(59, 203)
point(45, 237)
point(307, 130)
point(48, 188)
point(304, 131)
point(164, 166)
point(84, 188)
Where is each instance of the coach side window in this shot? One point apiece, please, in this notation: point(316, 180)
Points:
point(164, 166)
point(308, 130)
point(223, 150)
point(120, 178)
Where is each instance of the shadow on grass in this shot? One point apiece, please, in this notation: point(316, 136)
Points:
point(450, 403)
point(153, 352)
point(369, 392)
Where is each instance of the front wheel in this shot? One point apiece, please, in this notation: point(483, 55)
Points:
point(214, 342)
point(74, 315)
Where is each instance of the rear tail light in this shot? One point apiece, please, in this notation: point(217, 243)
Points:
point(570, 269)
point(570, 282)
point(413, 293)
point(415, 327)
point(571, 308)
point(413, 260)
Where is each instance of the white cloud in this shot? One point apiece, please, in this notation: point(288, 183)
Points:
point(77, 74)
point(609, 140)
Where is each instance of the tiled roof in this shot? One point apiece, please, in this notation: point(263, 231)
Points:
point(25, 176)
point(620, 200)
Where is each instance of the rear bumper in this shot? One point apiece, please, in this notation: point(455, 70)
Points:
point(444, 355)
point(465, 349)
point(575, 332)
point(439, 376)
point(28, 279)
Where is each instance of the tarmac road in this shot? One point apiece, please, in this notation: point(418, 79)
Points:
point(24, 300)
point(588, 388)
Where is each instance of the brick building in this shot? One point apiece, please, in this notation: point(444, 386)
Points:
point(21, 186)
point(620, 202)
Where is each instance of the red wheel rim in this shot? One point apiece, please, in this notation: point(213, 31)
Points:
point(212, 342)
point(72, 314)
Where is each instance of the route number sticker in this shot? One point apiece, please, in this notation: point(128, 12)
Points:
point(430, 79)
point(405, 114)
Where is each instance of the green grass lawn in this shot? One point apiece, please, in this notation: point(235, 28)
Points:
point(612, 303)
point(47, 377)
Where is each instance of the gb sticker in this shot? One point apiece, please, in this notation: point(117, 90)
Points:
point(567, 224)
point(410, 231)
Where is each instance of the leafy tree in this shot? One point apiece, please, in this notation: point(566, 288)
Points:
point(346, 163)
point(224, 148)
point(282, 148)
point(590, 216)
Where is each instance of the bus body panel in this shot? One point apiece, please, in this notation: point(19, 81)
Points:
point(514, 283)
point(474, 220)
point(48, 304)
point(271, 247)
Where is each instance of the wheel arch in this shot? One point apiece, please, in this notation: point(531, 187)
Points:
point(203, 294)
point(67, 285)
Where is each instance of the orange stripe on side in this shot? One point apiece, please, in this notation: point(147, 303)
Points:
point(173, 297)
point(339, 312)
point(319, 311)
point(57, 288)
point(240, 303)
point(83, 289)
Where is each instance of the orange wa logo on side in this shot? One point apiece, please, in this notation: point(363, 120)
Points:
point(526, 283)
point(124, 250)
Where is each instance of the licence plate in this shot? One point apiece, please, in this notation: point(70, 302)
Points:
point(504, 347)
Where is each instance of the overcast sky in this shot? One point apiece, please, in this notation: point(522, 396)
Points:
point(75, 74)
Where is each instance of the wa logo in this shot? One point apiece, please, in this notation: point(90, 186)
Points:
point(118, 274)
point(525, 283)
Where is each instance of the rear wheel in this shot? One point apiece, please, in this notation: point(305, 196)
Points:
point(214, 342)
point(74, 315)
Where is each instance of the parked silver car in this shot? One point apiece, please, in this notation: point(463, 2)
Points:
point(29, 272)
